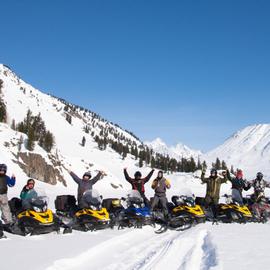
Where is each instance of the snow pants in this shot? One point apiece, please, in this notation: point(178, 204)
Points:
point(163, 201)
point(237, 196)
point(4, 207)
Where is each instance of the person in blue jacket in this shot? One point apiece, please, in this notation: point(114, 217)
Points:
point(5, 182)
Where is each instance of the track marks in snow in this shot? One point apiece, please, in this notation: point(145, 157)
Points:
point(145, 250)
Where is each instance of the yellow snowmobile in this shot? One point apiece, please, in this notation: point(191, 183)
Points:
point(234, 212)
point(34, 219)
point(186, 205)
point(88, 216)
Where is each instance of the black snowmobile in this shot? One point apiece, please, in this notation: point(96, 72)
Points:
point(88, 216)
point(35, 219)
point(114, 206)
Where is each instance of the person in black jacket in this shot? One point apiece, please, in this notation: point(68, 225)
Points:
point(138, 183)
point(238, 184)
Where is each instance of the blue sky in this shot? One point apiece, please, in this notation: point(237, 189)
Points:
point(189, 71)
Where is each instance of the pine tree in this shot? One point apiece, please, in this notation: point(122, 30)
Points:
point(140, 162)
point(153, 162)
point(217, 164)
point(30, 142)
point(13, 124)
point(3, 111)
point(83, 141)
point(192, 165)
point(48, 141)
point(204, 165)
point(224, 165)
point(1, 85)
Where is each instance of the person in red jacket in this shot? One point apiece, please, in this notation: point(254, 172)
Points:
point(138, 182)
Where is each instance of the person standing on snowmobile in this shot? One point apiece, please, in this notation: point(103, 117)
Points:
point(160, 184)
point(259, 185)
point(138, 183)
point(28, 192)
point(238, 184)
point(5, 182)
point(86, 182)
point(213, 184)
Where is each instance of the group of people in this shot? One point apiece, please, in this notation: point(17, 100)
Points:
point(160, 184)
point(214, 182)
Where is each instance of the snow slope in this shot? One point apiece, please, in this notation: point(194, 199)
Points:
point(177, 152)
point(248, 149)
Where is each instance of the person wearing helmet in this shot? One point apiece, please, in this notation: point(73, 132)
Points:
point(138, 183)
point(160, 185)
point(86, 182)
point(213, 184)
point(259, 185)
point(238, 184)
point(5, 182)
point(28, 192)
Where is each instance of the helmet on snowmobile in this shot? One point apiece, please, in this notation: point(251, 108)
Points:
point(88, 175)
point(213, 172)
point(138, 175)
point(259, 176)
point(3, 168)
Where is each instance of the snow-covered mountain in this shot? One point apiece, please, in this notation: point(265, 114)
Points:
point(248, 149)
point(177, 152)
point(68, 123)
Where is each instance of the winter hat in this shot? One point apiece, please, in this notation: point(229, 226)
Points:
point(137, 175)
point(239, 174)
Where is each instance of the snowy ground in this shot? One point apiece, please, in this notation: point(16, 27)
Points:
point(206, 246)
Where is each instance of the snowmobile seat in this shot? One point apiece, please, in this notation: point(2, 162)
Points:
point(200, 201)
point(15, 205)
point(65, 203)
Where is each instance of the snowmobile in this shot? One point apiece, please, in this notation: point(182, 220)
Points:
point(186, 205)
point(135, 214)
point(88, 216)
point(34, 219)
point(232, 211)
point(260, 207)
point(114, 206)
point(183, 213)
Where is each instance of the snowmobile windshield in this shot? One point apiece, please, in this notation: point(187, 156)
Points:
point(92, 197)
point(134, 196)
point(39, 200)
point(187, 196)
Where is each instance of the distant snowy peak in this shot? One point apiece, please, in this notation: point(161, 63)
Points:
point(248, 148)
point(178, 151)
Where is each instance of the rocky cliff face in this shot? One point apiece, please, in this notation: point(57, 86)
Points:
point(35, 166)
